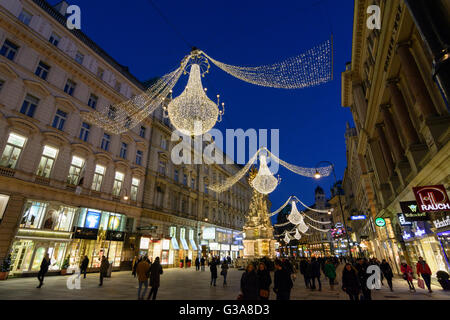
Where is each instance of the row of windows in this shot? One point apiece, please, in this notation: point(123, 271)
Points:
point(14, 148)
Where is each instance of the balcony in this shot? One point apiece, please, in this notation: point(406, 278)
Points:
point(7, 172)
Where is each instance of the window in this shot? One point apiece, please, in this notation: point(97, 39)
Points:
point(105, 142)
point(47, 161)
point(141, 131)
point(162, 167)
point(175, 175)
point(134, 188)
point(54, 39)
point(118, 180)
point(84, 132)
point(123, 150)
point(79, 57)
point(99, 173)
point(163, 144)
point(100, 73)
point(13, 148)
point(59, 219)
point(192, 183)
point(42, 70)
point(59, 120)
point(92, 101)
point(25, 17)
point(29, 105)
point(118, 86)
point(139, 154)
point(33, 214)
point(185, 179)
point(69, 88)
point(76, 166)
point(9, 49)
point(112, 112)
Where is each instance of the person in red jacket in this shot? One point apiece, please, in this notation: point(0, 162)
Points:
point(423, 269)
point(407, 275)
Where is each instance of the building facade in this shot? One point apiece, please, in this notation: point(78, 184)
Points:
point(70, 188)
point(399, 104)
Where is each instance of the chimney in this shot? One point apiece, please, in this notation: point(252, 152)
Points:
point(61, 7)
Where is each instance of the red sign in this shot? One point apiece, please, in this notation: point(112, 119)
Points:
point(432, 198)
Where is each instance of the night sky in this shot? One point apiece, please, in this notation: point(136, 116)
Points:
point(244, 33)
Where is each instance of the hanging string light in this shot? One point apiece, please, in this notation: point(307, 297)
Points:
point(311, 68)
point(297, 235)
point(295, 217)
point(266, 183)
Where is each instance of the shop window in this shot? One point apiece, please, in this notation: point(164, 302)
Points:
point(134, 188)
point(59, 219)
point(99, 174)
point(33, 214)
point(118, 181)
point(47, 161)
point(76, 167)
point(12, 151)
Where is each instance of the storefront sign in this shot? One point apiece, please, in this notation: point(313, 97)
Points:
point(432, 198)
point(115, 235)
point(145, 242)
point(85, 233)
point(402, 220)
point(442, 223)
point(214, 246)
point(380, 222)
point(225, 247)
point(92, 219)
point(209, 233)
point(360, 217)
point(412, 212)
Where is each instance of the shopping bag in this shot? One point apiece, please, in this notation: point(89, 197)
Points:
point(421, 283)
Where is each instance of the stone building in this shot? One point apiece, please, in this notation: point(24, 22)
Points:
point(70, 188)
point(397, 90)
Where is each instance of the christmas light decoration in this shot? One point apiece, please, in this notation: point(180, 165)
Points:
point(312, 209)
point(297, 235)
point(311, 68)
point(298, 200)
point(295, 217)
point(267, 182)
point(287, 239)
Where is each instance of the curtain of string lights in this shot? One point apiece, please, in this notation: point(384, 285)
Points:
point(311, 68)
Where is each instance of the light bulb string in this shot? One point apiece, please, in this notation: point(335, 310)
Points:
point(312, 209)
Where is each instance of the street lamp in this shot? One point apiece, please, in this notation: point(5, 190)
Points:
point(317, 175)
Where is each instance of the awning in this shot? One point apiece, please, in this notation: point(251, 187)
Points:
point(184, 244)
point(193, 245)
point(175, 243)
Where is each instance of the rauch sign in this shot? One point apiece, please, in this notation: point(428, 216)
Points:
point(432, 198)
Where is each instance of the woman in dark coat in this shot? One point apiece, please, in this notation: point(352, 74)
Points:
point(213, 269)
point(249, 284)
point(155, 275)
point(350, 282)
point(84, 266)
point(43, 270)
point(264, 282)
point(387, 273)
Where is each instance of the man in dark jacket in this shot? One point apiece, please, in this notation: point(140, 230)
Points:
point(361, 266)
point(315, 273)
point(304, 271)
point(197, 263)
point(202, 263)
point(282, 282)
point(249, 283)
point(155, 277)
point(43, 270)
point(213, 269)
point(104, 265)
point(84, 266)
point(387, 272)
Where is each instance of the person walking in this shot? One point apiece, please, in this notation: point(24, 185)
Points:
point(330, 272)
point(104, 265)
point(213, 270)
point(282, 282)
point(249, 283)
point(315, 273)
point(133, 266)
point(224, 271)
point(156, 271)
point(407, 272)
point(422, 268)
point(350, 282)
point(202, 263)
point(361, 266)
point(43, 270)
point(304, 271)
point(84, 266)
point(386, 270)
point(264, 282)
point(143, 273)
point(197, 263)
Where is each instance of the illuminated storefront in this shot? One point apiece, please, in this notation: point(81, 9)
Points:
point(442, 226)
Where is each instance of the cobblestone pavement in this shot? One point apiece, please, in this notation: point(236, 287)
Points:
point(186, 284)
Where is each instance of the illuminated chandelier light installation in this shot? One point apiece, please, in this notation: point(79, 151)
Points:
point(264, 181)
point(311, 68)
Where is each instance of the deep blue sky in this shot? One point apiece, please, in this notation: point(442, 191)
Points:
point(246, 33)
